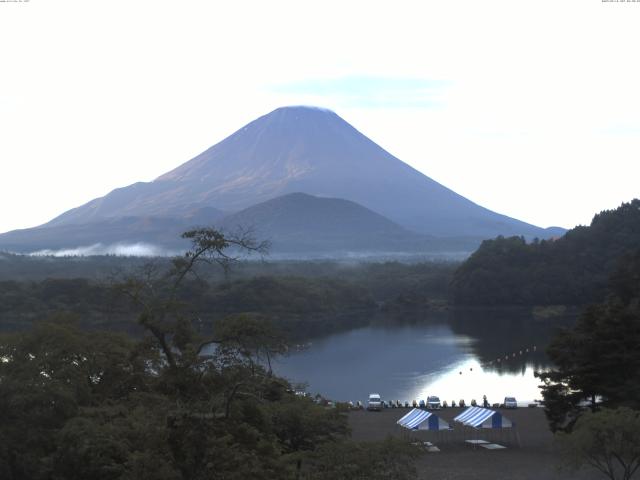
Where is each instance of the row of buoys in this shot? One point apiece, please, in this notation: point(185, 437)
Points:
point(500, 360)
point(513, 355)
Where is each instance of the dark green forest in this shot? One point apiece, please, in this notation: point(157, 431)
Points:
point(175, 402)
point(571, 270)
point(78, 404)
point(597, 361)
point(304, 299)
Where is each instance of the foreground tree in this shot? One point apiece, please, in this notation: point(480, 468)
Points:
point(78, 405)
point(390, 459)
point(608, 440)
point(56, 373)
point(156, 292)
point(598, 361)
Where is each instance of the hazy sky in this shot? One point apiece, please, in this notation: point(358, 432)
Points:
point(530, 108)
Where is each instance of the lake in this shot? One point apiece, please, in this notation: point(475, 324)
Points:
point(463, 355)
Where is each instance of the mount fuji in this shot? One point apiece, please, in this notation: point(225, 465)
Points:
point(290, 150)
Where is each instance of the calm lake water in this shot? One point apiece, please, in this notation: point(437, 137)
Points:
point(455, 357)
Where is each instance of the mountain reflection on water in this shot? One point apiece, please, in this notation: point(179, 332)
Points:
point(415, 356)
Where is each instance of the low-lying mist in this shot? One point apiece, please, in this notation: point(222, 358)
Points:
point(143, 249)
point(140, 249)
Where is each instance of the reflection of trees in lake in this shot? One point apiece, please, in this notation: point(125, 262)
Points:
point(494, 333)
point(393, 319)
point(501, 333)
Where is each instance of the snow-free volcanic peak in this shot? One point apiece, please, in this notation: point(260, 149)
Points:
point(300, 149)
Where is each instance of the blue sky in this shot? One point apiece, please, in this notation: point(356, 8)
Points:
point(531, 109)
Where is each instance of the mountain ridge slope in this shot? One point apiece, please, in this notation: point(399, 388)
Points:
point(290, 150)
point(310, 150)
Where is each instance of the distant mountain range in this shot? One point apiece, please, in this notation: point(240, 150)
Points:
point(300, 176)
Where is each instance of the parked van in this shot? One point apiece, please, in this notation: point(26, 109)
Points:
point(375, 402)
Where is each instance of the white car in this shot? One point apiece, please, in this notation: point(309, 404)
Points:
point(375, 402)
point(510, 402)
point(433, 402)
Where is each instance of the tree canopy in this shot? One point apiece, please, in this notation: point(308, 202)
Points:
point(608, 440)
point(598, 360)
point(176, 404)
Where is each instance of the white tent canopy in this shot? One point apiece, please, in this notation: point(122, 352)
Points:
point(478, 417)
point(418, 419)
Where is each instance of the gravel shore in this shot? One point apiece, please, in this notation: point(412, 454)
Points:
point(530, 453)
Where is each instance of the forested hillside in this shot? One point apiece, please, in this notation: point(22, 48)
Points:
point(303, 298)
point(571, 270)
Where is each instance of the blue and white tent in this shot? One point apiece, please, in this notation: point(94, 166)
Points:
point(418, 419)
point(478, 417)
